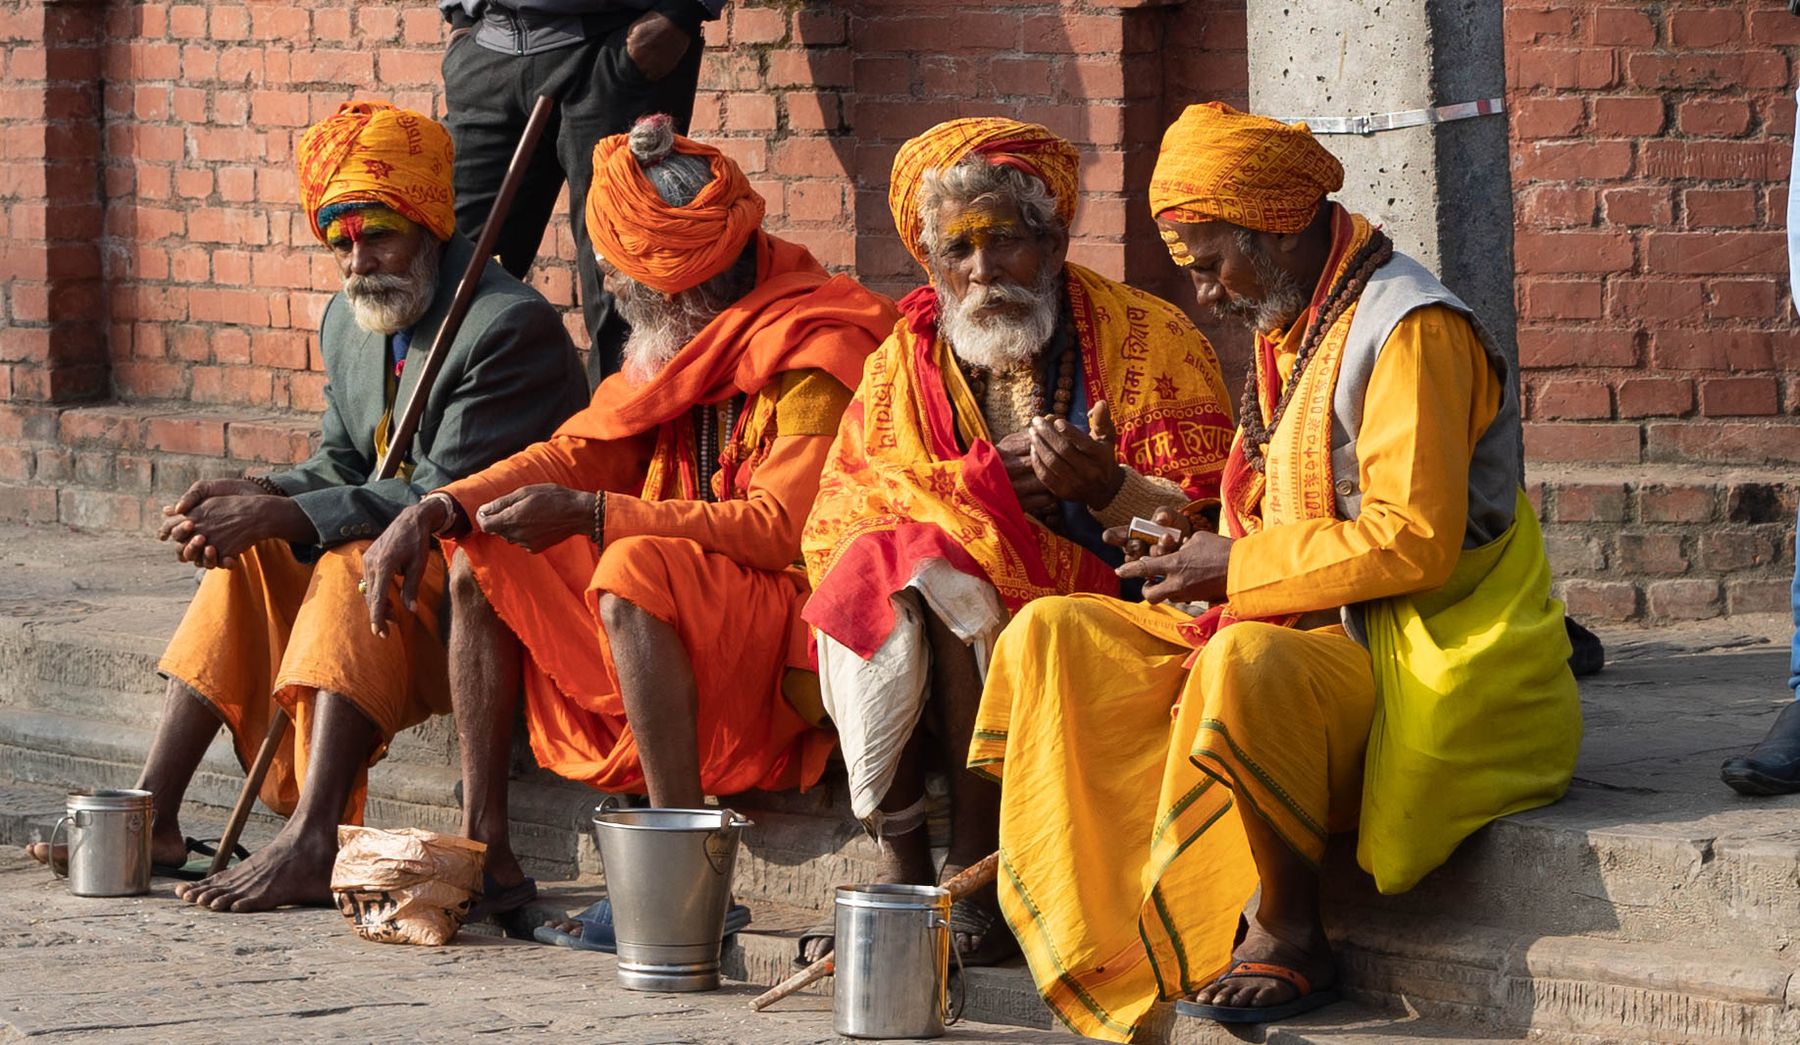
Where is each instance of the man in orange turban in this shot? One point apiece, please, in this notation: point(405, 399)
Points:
point(1378, 649)
point(278, 621)
point(637, 573)
point(1023, 405)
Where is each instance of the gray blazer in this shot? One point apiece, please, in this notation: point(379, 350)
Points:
point(510, 378)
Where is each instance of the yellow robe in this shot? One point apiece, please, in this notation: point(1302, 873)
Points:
point(1124, 863)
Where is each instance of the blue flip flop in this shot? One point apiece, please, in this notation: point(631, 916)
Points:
point(597, 928)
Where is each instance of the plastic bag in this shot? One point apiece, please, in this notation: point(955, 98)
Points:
point(405, 886)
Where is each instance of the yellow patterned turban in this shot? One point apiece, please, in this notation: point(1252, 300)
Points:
point(1218, 164)
point(1025, 146)
point(372, 152)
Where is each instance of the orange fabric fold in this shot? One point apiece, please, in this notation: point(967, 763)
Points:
point(664, 247)
point(373, 152)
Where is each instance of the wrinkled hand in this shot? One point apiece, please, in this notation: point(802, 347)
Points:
point(401, 553)
point(1015, 454)
point(1136, 548)
point(1194, 572)
point(656, 45)
point(1076, 466)
point(214, 532)
point(537, 517)
point(207, 488)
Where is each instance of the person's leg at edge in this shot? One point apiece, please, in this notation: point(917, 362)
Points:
point(1286, 930)
point(485, 679)
point(296, 866)
point(974, 800)
point(656, 683)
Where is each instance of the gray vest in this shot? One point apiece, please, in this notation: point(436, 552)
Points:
point(1497, 469)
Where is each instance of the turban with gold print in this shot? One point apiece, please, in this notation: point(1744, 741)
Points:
point(1024, 146)
point(1218, 164)
point(373, 152)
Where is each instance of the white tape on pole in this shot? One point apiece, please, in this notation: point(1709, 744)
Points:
point(1390, 121)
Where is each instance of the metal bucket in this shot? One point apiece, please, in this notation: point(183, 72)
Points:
point(668, 874)
point(109, 842)
point(893, 961)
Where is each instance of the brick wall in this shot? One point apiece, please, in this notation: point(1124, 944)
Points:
point(1660, 354)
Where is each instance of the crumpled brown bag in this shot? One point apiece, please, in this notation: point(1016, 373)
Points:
point(405, 886)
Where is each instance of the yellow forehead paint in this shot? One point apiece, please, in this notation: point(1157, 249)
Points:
point(1178, 249)
point(979, 229)
point(358, 222)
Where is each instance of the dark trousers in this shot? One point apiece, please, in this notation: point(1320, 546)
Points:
point(598, 92)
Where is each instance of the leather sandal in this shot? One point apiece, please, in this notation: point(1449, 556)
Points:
point(1306, 1001)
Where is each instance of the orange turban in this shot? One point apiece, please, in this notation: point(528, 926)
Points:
point(372, 152)
point(665, 247)
point(1025, 146)
point(1218, 164)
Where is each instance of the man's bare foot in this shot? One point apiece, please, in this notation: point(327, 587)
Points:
point(905, 860)
point(293, 869)
point(43, 854)
point(1309, 955)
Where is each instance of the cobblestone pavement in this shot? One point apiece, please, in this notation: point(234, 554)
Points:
point(151, 968)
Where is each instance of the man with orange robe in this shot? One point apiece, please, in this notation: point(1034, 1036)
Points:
point(279, 624)
point(638, 571)
point(1023, 404)
point(1380, 652)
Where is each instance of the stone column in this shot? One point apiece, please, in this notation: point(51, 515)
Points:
point(1443, 192)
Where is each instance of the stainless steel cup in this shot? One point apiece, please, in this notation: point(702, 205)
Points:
point(893, 958)
point(109, 842)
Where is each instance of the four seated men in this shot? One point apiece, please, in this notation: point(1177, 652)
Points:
point(1367, 643)
point(1022, 405)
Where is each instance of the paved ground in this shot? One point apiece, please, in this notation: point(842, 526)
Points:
point(154, 969)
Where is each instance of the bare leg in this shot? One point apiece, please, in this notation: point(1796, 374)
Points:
point(974, 800)
point(1286, 930)
point(656, 682)
point(296, 866)
point(485, 682)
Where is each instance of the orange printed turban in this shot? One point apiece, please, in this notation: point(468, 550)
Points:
point(1025, 146)
point(1218, 164)
point(372, 152)
point(662, 246)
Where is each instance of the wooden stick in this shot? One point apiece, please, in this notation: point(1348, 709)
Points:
point(407, 425)
point(408, 422)
point(253, 781)
point(966, 881)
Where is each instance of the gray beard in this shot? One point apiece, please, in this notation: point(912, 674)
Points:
point(1282, 299)
point(389, 304)
point(999, 340)
point(661, 325)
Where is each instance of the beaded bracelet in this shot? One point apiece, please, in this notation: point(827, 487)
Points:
point(599, 533)
point(268, 485)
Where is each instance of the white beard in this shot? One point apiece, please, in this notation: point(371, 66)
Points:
point(390, 304)
point(999, 340)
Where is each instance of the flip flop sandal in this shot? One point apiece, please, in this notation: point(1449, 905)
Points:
point(199, 865)
point(997, 943)
point(496, 902)
point(1307, 1001)
point(597, 928)
point(821, 931)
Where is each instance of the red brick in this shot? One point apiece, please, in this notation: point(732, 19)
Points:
point(28, 504)
point(1757, 161)
point(1688, 599)
point(1714, 70)
point(1557, 206)
point(1773, 25)
point(1658, 503)
point(1718, 208)
point(1556, 346)
point(1599, 600)
point(1712, 349)
point(1744, 299)
point(1562, 68)
point(1655, 397)
point(1733, 551)
point(99, 510)
point(750, 111)
point(820, 27)
point(1739, 397)
point(1618, 25)
point(1713, 117)
point(267, 443)
point(237, 385)
point(1638, 206)
point(1628, 116)
point(1652, 553)
point(1572, 400)
point(757, 25)
point(1537, 25)
point(1566, 161)
point(1707, 253)
point(1753, 595)
point(1560, 299)
point(1589, 502)
point(1595, 252)
point(1706, 28)
point(1638, 300)
point(1724, 442)
point(1555, 441)
point(812, 111)
point(185, 435)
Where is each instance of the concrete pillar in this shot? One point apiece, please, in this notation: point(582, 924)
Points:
point(1443, 192)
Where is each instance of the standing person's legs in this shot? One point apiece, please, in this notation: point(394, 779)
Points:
point(1773, 766)
point(604, 95)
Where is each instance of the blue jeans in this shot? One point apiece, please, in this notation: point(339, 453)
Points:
point(1794, 599)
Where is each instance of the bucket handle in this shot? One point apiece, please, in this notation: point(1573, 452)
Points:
point(721, 841)
point(50, 857)
point(953, 1014)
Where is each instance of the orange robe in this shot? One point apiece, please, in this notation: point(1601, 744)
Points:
point(277, 631)
point(723, 574)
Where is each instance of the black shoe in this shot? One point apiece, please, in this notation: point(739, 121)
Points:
point(1773, 766)
point(1588, 656)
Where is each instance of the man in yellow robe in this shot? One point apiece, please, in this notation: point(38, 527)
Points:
point(1022, 405)
point(278, 623)
point(1379, 651)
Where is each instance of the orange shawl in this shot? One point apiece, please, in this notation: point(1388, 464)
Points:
point(797, 318)
point(899, 488)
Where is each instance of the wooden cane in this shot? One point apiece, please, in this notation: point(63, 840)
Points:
point(407, 425)
point(965, 882)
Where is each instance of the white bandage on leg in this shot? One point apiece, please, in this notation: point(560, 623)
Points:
point(883, 825)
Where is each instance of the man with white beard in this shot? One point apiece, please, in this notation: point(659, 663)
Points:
point(278, 619)
point(638, 572)
point(1022, 406)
